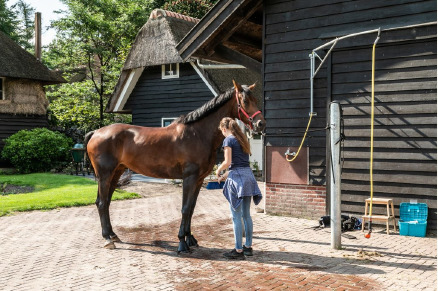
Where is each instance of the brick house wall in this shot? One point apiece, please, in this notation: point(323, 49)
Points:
point(304, 201)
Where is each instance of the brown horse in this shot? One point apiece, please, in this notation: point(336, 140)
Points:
point(185, 150)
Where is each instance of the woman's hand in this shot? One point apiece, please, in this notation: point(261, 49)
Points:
point(218, 176)
point(221, 178)
point(225, 164)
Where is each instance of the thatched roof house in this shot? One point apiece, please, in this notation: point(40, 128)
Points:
point(23, 102)
point(22, 78)
point(155, 46)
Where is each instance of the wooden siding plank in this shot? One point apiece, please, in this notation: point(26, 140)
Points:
point(384, 75)
point(300, 21)
point(390, 86)
point(423, 178)
point(399, 143)
point(401, 189)
point(322, 8)
point(392, 132)
point(388, 97)
point(295, 84)
point(363, 153)
point(388, 109)
point(428, 60)
point(297, 124)
point(295, 94)
point(420, 119)
point(411, 166)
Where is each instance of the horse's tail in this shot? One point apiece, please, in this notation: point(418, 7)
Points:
point(88, 137)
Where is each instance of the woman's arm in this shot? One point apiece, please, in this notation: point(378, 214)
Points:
point(225, 164)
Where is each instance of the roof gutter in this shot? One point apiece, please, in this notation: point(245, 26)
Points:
point(218, 67)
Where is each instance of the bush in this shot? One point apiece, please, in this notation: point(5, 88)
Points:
point(37, 150)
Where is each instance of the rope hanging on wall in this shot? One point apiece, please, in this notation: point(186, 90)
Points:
point(368, 235)
point(295, 155)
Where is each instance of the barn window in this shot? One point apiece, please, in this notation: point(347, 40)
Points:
point(167, 121)
point(169, 71)
point(2, 88)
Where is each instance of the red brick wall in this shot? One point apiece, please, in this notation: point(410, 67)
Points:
point(304, 201)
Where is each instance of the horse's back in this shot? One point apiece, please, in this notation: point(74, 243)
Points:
point(138, 148)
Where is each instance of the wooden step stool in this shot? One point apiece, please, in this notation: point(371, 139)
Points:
point(387, 217)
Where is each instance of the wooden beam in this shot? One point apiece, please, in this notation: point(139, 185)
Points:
point(231, 26)
point(238, 58)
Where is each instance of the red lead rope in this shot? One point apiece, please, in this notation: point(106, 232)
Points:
point(250, 118)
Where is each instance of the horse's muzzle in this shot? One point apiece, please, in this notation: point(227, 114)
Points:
point(259, 126)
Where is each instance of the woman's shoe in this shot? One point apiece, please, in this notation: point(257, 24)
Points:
point(234, 255)
point(247, 251)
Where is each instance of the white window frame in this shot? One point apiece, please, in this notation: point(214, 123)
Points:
point(163, 119)
point(163, 71)
point(2, 96)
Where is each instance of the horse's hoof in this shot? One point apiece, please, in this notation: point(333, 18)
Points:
point(109, 245)
point(191, 241)
point(183, 247)
point(115, 238)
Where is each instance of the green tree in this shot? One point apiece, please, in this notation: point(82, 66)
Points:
point(8, 20)
point(17, 22)
point(96, 34)
point(26, 24)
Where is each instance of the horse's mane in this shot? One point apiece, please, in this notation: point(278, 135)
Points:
point(206, 109)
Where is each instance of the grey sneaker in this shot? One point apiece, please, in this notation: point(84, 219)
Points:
point(234, 255)
point(247, 251)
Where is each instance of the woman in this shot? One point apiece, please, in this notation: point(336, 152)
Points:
point(240, 185)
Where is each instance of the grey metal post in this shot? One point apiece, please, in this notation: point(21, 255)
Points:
point(335, 186)
point(312, 72)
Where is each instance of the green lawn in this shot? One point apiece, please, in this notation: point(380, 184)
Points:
point(52, 191)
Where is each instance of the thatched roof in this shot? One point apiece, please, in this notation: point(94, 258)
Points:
point(16, 62)
point(156, 41)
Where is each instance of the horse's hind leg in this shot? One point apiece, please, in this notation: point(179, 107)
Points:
point(107, 185)
point(119, 172)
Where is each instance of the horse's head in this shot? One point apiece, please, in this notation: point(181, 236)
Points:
point(247, 108)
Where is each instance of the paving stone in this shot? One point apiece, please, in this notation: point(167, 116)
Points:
point(62, 250)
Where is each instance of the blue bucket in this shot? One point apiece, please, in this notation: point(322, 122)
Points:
point(215, 185)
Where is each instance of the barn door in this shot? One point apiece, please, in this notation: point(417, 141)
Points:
point(404, 126)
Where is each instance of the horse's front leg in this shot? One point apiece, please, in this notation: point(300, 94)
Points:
point(189, 200)
point(190, 240)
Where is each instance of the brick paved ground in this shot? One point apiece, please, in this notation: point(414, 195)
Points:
point(62, 250)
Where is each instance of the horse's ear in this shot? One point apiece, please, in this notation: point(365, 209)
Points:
point(237, 86)
point(252, 86)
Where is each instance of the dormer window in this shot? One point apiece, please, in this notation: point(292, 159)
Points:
point(169, 71)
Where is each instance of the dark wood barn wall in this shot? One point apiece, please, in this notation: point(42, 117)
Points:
point(407, 78)
point(154, 98)
point(11, 123)
point(404, 124)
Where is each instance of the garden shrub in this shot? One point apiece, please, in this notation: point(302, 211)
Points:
point(37, 150)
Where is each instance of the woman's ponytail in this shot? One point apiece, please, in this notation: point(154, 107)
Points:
point(232, 125)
